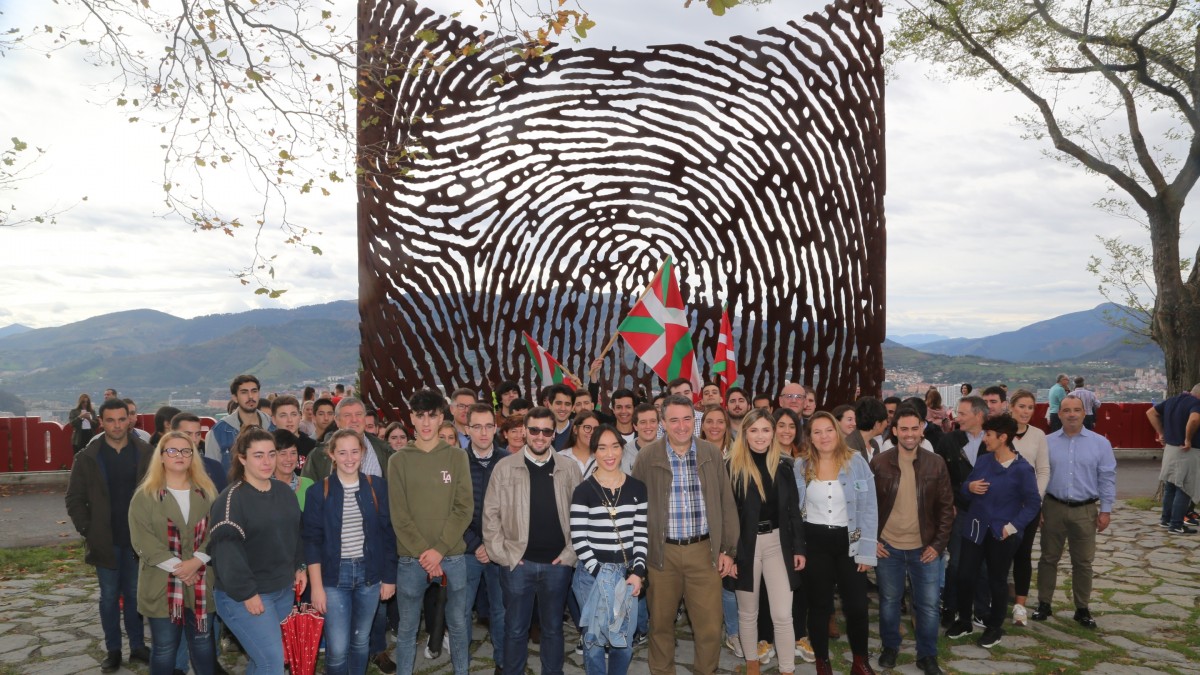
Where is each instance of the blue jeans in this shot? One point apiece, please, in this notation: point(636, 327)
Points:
point(547, 585)
point(891, 573)
point(411, 582)
point(1175, 504)
point(350, 611)
point(729, 610)
point(489, 575)
point(115, 583)
point(593, 652)
point(379, 626)
point(259, 634)
point(165, 639)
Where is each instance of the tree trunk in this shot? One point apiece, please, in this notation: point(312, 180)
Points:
point(1176, 323)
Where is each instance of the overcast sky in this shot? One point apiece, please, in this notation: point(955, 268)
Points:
point(984, 233)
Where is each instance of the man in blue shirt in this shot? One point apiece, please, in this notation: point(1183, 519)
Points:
point(1172, 419)
point(1078, 504)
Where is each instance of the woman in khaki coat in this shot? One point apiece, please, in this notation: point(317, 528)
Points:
point(168, 524)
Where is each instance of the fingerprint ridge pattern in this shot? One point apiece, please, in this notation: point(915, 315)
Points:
point(545, 203)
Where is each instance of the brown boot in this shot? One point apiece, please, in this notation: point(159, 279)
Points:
point(823, 667)
point(861, 666)
point(752, 667)
point(834, 633)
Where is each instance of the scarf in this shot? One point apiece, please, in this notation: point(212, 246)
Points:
point(175, 588)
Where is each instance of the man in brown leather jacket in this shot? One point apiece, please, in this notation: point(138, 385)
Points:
point(916, 514)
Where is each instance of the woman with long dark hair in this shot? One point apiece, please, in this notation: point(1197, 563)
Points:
point(837, 493)
point(168, 527)
point(257, 553)
point(771, 547)
point(608, 533)
point(579, 442)
point(84, 421)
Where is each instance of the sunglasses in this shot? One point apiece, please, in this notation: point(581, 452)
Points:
point(544, 431)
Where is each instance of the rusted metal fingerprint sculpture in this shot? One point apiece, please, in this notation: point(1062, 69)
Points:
point(543, 196)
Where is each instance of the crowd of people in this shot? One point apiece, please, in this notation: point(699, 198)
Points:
point(616, 514)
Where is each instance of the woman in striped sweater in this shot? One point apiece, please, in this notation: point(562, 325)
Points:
point(608, 533)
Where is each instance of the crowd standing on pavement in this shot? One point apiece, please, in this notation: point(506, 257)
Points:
point(613, 511)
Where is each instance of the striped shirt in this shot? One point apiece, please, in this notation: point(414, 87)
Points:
point(686, 515)
point(593, 536)
point(353, 538)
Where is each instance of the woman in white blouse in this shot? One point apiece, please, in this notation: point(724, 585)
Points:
point(837, 495)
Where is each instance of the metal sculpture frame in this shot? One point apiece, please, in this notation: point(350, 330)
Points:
point(497, 196)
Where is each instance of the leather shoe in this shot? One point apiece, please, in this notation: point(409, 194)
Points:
point(929, 665)
point(887, 657)
point(1042, 612)
point(1084, 618)
point(111, 663)
point(139, 654)
point(824, 667)
point(383, 661)
point(861, 665)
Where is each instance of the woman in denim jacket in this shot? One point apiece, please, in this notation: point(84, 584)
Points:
point(350, 549)
point(837, 497)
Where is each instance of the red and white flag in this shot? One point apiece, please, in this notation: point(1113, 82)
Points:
point(725, 361)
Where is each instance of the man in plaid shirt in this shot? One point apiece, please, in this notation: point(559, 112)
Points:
point(693, 527)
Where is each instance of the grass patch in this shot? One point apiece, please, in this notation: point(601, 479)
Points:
point(1143, 503)
point(16, 563)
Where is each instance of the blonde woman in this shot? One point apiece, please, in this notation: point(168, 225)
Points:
point(1030, 443)
point(837, 493)
point(168, 527)
point(771, 547)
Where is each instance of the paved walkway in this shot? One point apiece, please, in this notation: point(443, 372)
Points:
point(1147, 602)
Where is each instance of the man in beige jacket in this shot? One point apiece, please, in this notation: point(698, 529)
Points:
point(526, 530)
point(693, 527)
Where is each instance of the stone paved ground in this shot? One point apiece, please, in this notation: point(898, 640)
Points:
point(1147, 602)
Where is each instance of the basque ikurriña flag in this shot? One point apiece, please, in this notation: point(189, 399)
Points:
point(551, 370)
point(657, 330)
point(724, 360)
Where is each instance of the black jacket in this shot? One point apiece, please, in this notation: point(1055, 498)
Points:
point(481, 475)
point(791, 525)
point(88, 503)
point(951, 450)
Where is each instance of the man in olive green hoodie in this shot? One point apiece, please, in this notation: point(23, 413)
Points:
point(431, 501)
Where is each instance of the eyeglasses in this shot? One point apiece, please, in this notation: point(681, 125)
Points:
point(482, 427)
point(792, 396)
point(548, 432)
point(175, 452)
point(587, 427)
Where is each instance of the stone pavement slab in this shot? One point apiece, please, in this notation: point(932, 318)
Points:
point(1148, 613)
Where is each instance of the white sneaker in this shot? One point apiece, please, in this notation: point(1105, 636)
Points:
point(734, 644)
point(1020, 615)
point(766, 651)
point(804, 650)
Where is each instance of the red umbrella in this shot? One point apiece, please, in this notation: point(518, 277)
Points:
point(302, 637)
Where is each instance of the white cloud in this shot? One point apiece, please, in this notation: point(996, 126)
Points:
point(984, 234)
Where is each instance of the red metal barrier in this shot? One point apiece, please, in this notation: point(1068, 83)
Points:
point(29, 444)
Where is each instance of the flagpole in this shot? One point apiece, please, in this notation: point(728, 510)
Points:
point(612, 340)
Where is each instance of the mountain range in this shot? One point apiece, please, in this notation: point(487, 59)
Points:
point(1076, 337)
point(151, 353)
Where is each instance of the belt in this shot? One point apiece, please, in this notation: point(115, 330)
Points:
point(688, 541)
point(766, 526)
point(831, 528)
point(1085, 502)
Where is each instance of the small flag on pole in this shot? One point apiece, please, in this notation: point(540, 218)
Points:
point(551, 370)
point(724, 361)
point(657, 329)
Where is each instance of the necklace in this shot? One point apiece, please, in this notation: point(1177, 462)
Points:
point(611, 506)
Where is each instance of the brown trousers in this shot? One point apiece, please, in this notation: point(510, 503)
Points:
point(687, 573)
point(1073, 526)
